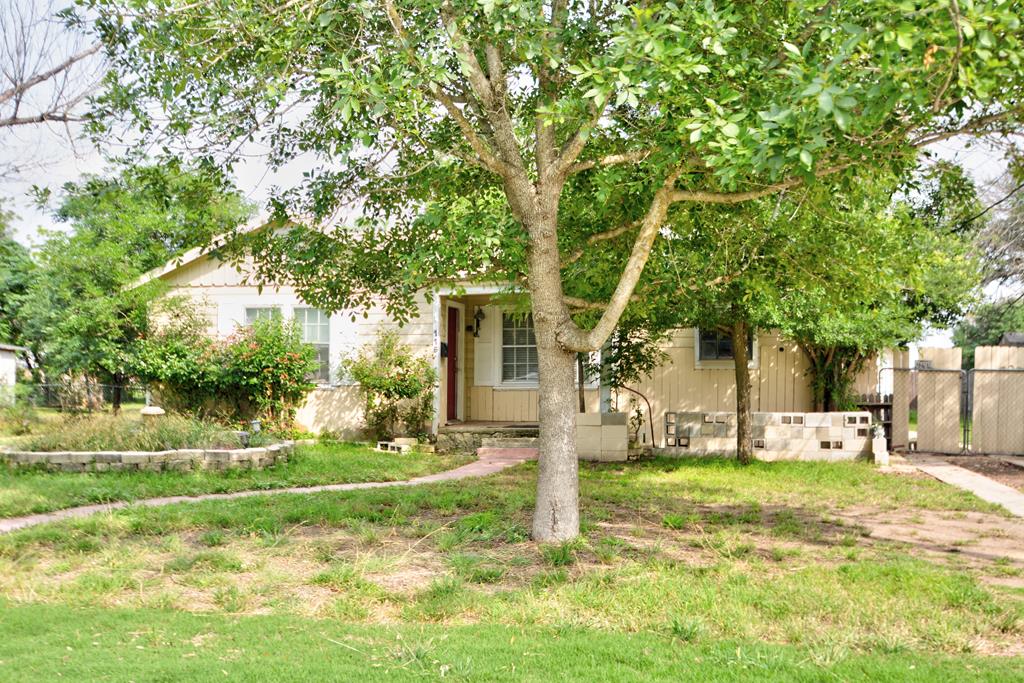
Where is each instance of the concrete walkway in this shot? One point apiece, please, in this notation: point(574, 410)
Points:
point(980, 485)
point(481, 468)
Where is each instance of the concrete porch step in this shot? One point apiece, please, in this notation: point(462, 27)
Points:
point(493, 453)
point(509, 442)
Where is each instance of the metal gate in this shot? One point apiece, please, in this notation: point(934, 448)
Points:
point(930, 410)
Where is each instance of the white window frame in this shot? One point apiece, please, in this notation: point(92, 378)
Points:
point(513, 383)
point(700, 364)
point(259, 310)
point(303, 324)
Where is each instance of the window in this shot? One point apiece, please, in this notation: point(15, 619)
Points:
point(518, 349)
point(261, 313)
point(316, 330)
point(718, 346)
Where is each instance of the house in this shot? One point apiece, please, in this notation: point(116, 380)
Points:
point(487, 360)
point(8, 371)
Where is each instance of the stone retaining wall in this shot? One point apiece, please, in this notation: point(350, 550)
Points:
point(776, 436)
point(151, 461)
point(468, 439)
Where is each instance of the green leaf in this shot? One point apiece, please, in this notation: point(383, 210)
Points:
point(730, 130)
point(843, 119)
point(825, 103)
point(695, 135)
point(807, 158)
point(790, 47)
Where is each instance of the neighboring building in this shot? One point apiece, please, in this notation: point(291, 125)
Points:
point(8, 370)
point(1012, 339)
point(487, 359)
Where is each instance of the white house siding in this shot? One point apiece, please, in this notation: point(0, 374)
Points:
point(222, 294)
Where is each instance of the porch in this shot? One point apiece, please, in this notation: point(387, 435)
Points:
point(487, 369)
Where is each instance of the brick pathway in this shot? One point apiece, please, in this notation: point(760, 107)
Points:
point(481, 468)
point(980, 485)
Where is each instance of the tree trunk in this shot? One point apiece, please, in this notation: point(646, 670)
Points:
point(556, 517)
point(744, 429)
point(581, 377)
point(117, 394)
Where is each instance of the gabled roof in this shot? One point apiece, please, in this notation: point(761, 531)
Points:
point(193, 255)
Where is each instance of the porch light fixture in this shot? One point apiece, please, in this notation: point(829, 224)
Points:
point(478, 318)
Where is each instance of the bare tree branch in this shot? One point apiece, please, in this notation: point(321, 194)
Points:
point(46, 73)
point(21, 87)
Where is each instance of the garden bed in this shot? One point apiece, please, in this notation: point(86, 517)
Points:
point(178, 460)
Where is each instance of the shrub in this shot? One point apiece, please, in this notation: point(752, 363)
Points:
point(120, 433)
point(268, 365)
point(18, 415)
point(262, 370)
point(395, 385)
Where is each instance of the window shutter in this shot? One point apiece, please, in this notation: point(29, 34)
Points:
point(486, 348)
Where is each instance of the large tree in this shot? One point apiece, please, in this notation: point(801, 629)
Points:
point(16, 271)
point(552, 110)
point(82, 313)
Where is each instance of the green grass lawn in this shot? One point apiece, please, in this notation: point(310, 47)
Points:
point(30, 491)
point(46, 643)
point(687, 569)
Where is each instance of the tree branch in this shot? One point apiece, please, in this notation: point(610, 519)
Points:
point(479, 146)
point(633, 157)
point(44, 117)
point(21, 88)
point(970, 127)
point(573, 147)
point(601, 237)
point(740, 197)
point(572, 337)
point(583, 304)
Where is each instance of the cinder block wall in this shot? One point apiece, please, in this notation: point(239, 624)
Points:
point(777, 436)
point(602, 436)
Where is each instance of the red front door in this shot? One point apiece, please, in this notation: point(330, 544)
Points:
point(453, 365)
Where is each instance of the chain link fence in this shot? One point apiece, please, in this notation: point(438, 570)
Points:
point(80, 396)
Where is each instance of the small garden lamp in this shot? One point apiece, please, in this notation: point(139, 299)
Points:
point(255, 426)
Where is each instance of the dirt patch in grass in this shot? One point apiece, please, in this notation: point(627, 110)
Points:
point(993, 468)
point(973, 538)
point(663, 553)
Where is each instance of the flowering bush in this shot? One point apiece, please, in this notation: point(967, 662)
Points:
point(268, 365)
point(260, 371)
point(395, 386)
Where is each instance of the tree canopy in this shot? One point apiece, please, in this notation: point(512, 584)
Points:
point(550, 127)
point(986, 325)
point(81, 313)
point(16, 268)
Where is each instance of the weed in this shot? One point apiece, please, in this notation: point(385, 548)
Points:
point(230, 599)
point(686, 629)
point(561, 554)
point(213, 538)
point(207, 560)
